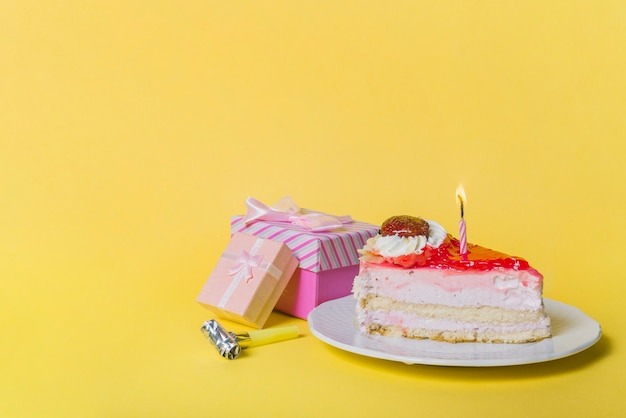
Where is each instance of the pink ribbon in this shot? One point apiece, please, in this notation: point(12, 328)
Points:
point(286, 210)
point(245, 262)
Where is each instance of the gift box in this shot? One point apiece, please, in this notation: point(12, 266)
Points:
point(327, 251)
point(248, 280)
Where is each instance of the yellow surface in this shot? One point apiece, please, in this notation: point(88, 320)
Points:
point(130, 131)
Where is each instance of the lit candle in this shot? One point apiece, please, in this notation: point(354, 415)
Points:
point(461, 200)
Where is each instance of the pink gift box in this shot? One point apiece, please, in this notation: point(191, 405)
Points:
point(248, 279)
point(328, 261)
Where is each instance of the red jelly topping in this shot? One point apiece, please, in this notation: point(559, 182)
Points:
point(447, 256)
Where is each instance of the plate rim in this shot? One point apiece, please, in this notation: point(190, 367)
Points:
point(550, 304)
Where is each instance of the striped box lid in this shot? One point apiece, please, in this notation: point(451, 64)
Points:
point(316, 251)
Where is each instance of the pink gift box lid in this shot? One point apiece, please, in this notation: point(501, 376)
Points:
point(248, 279)
point(316, 251)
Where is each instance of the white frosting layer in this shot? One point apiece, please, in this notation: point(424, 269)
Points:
point(414, 322)
point(517, 290)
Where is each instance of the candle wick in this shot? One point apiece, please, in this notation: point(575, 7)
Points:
point(462, 209)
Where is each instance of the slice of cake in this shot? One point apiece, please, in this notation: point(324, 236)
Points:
point(414, 283)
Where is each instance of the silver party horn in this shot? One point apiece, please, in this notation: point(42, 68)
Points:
point(229, 344)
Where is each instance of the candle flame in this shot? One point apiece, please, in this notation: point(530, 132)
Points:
point(461, 199)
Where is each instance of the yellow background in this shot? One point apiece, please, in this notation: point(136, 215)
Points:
point(130, 132)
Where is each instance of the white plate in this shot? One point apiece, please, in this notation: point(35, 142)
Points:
point(573, 332)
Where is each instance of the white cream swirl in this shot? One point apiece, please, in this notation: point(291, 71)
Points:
point(395, 246)
point(436, 234)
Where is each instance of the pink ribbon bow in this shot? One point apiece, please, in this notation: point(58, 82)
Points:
point(244, 265)
point(286, 210)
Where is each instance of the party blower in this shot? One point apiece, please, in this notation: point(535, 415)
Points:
point(229, 344)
